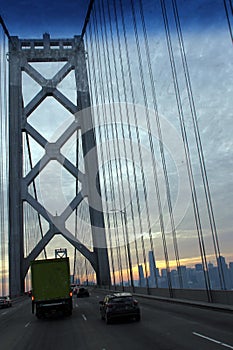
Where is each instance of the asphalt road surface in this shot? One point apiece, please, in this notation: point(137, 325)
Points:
point(163, 326)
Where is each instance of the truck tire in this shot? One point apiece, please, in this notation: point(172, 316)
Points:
point(39, 312)
point(68, 311)
point(39, 315)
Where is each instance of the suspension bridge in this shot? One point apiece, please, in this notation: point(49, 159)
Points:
point(115, 144)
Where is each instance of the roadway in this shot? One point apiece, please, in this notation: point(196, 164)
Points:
point(164, 326)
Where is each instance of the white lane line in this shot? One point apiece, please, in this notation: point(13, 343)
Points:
point(26, 325)
point(4, 313)
point(84, 317)
point(213, 340)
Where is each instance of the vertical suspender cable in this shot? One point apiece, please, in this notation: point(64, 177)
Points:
point(186, 148)
point(149, 126)
point(155, 105)
point(123, 133)
point(200, 148)
point(113, 180)
point(116, 148)
point(231, 6)
point(228, 17)
point(128, 122)
point(103, 138)
point(91, 64)
point(4, 27)
point(87, 18)
point(102, 157)
point(136, 129)
point(3, 162)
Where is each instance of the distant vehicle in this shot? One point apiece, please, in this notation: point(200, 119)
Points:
point(119, 306)
point(82, 293)
point(28, 293)
point(51, 292)
point(74, 288)
point(5, 302)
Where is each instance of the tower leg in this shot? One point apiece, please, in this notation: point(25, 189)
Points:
point(92, 171)
point(16, 244)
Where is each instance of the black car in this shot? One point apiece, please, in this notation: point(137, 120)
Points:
point(5, 302)
point(119, 306)
point(82, 293)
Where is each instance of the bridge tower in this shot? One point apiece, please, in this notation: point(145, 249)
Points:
point(70, 51)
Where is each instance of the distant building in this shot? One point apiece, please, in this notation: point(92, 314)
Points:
point(192, 278)
point(214, 276)
point(224, 273)
point(210, 266)
point(154, 272)
point(142, 280)
point(231, 273)
point(182, 273)
point(175, 279)
point(199, 267)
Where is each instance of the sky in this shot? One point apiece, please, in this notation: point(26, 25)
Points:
point(29, 19)
point(209, 53)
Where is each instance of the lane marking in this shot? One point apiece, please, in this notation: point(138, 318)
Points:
point(26, 325)
point(84, 317)
point(213, 340)
point(4, 313)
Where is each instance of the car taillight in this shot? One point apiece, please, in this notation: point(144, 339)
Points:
point(109, 305)
point(71, 294)
point(33, 298)
point(135, 302)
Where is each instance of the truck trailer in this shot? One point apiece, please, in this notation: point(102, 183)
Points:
point(51, 292)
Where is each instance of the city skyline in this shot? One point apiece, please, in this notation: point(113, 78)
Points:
point(189, 277)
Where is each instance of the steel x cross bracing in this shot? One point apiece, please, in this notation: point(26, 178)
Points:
point(71, 51)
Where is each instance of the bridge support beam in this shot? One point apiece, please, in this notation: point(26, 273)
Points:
point(91, 169)
point(16, 242)
point(71, 51)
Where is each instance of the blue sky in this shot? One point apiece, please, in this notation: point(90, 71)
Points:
point(26, 18)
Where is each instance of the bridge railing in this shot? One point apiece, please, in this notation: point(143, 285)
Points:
point(219, 297)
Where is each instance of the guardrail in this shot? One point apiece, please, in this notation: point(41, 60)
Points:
point(221, 299)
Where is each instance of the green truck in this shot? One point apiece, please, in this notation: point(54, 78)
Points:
point(51, 292)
